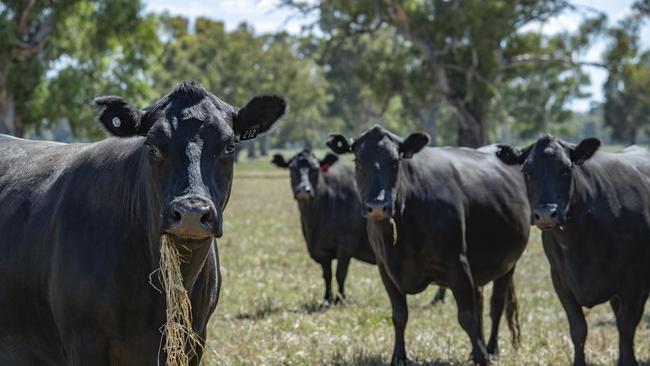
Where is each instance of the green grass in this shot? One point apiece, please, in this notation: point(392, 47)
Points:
point(268, 313)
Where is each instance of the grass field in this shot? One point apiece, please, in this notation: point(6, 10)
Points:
point(268, 313)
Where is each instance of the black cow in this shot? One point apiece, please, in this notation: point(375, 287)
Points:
point(452, 216)
point(594, 213)
point(330, 214)
point(80, 227)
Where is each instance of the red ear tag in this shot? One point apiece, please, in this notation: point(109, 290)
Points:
point(325, 168)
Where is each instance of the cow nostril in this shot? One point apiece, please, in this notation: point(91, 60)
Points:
point(553, 214)
point(205, 218)
point(385, 208)
point(368, 209)
point(176, 215)
point(537, 217)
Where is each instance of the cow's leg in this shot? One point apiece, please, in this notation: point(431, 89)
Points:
point(327, 277)
point(342, 265)
point(500, 290)
point(577, 323)
point(628, 310)
point(400, 316)
point(439, 297)
point(478, 291)
point(462, 287)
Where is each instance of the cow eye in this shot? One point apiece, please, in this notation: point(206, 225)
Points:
point(230, 149)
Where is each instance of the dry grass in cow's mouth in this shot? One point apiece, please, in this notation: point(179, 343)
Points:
point(180, 340)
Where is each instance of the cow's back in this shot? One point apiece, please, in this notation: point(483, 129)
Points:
point(27, 172)
point(65, 229)
point(456, 193)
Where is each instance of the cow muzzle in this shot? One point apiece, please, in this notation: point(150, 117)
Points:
point(377, 211)
point(192, 218)
point(304, 193)
point(547, 217)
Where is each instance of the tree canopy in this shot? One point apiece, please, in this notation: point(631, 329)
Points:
point(467, 72)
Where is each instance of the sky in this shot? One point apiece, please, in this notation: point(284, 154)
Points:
point(267, 16)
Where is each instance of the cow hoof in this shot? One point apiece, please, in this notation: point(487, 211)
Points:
point(479, 358)
point(439, 298)
point(340, 299)
point(632, 362)
point(493, 351)
point(325, 304)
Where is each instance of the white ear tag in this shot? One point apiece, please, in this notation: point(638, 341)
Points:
point(116, 121)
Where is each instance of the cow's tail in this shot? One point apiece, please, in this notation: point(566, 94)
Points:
point(512, 314)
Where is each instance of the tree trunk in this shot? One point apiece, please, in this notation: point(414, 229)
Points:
point(19, 127)
point(250, 147)
point(428, 113)
point(632, 138)
point(264, 145)
point(7, 112)
point(238, 150)
point(471, 126)
point(308, 145)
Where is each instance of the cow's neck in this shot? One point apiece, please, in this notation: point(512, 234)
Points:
point(192, 265)
point(404, 189)
point(585, 189)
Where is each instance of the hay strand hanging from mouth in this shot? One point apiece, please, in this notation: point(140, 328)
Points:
point(180, 340)
point(392, 231)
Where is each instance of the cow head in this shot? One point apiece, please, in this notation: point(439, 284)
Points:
point(378, 156)
point(306, 171)
point(189, 142)
point(548, 167)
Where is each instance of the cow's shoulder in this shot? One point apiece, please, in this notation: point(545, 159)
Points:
point(340, 177)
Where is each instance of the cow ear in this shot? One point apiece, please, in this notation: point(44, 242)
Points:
point(511, 155)
point(259, 115)
point(279, 161)
point(328, 161)
point(584, 150)
point(339, 144)
point(413, 144)
point(119, 117)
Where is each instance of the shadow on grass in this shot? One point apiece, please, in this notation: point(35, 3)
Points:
point(362, 358)
point(267, 309)
point(605, 323)
point(641, 363)
point(312, 307)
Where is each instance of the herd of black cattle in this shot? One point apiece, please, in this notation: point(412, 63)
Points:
point(80, 226)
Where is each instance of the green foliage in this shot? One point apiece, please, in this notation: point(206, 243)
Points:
point(465, 53)
point(239, 64)
point(93, 48)
point(627, 88)
point(463, 71)
point(534, 97)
